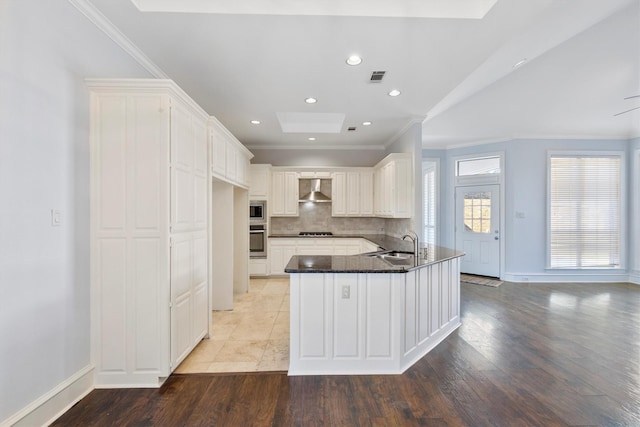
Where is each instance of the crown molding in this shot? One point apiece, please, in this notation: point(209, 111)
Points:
point(101, 22)
point(316, 147)
point(462, 144)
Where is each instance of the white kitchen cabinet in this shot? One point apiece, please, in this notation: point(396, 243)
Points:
point(229, 158)
point(339, 194)
point(149, 270)
point(218, 152)
point(259, 182)
point(282, 249)
point(231, 162)
point(284, 193)
point(393, 188)
point(306, 246)
point(352, 193)
point(280, 252)
point(366, 193)
point(258, 267)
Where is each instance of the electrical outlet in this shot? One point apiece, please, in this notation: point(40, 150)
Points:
point(346, 292)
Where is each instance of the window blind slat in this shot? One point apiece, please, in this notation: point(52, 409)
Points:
point(585, 212)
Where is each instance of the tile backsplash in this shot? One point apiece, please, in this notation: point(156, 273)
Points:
point(317, 217)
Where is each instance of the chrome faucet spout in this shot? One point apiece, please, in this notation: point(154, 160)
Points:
point(416, 242)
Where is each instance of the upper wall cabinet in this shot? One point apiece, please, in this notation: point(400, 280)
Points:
point(149, 260)
point(229, 158)
point(259, 182)
point(283, 200)
point(393, 186)
point(352, 193)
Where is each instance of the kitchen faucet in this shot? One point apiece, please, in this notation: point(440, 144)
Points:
point(416, 242)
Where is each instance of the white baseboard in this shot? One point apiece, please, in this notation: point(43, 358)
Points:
point(587, 277)
point(634, 277)
point(56, 402)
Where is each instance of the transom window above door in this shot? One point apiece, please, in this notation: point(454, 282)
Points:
point(478, 166)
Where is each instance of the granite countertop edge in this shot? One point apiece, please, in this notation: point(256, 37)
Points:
point(365, 263)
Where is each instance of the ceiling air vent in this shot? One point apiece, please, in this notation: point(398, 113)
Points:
point(351, 128)
point(377, 76)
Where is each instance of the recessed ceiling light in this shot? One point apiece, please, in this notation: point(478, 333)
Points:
point(310, 100)
point(519, 63)
point(354, 60)
point(255, 122)
point(311, 138)
point(366, 123)
point(394, 92)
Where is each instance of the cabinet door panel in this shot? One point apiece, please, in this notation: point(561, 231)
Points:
point(182, 141)
point(291, 194)
point(339, 194)
point(200, 147)
point(182, 199)
point(366, 193)
point(277, 193)
point(182, 169)
point(200, 202)
point(276, 254)
point(181, 297)
point(232, 165)
point(284, 194)
point(353, 193)
point(218, 153)
point(109, 162)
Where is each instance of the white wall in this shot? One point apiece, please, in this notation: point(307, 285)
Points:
point(47, 48)
point(525, 191)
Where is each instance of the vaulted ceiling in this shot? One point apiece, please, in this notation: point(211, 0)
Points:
point(453, 62)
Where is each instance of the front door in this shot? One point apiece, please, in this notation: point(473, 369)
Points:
point(478, 229)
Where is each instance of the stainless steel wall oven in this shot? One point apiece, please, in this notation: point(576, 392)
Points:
point(257, 240)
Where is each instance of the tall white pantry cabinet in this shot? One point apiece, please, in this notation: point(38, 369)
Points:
point(149, 237)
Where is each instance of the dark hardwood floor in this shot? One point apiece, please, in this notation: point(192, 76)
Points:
point(525, 355)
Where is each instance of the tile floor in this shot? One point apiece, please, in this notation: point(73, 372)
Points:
point(254, 336)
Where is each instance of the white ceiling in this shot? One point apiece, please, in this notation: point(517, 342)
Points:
point(243, 64)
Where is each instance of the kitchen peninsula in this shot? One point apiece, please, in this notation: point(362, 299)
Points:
point(372, 313)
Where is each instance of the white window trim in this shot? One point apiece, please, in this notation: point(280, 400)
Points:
point(491, 178)
point(623, 209)
point(435, 160)
point(482, 180)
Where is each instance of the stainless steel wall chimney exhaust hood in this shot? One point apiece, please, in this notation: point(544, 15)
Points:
point(315, 195)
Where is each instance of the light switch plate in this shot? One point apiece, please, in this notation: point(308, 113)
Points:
point(56, 218)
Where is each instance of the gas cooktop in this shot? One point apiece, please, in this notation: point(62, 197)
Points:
point(315, 233)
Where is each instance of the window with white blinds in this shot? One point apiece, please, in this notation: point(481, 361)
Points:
point(430, 201)
point(585, 210)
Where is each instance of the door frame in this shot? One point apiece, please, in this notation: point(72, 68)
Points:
point(497, 179)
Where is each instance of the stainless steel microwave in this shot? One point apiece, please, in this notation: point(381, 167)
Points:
point(258, 211)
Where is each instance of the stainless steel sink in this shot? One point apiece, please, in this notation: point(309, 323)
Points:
point(394, 257)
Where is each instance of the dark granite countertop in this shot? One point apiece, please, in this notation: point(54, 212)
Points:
point(367, 263)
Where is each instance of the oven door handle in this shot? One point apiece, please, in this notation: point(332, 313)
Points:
point(257, 231)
